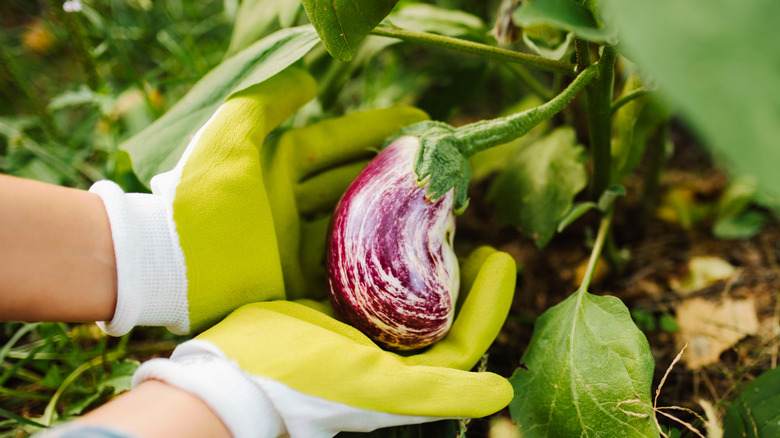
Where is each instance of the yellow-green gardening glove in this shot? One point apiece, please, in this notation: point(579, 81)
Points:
point(276, 368)
point(224, 226)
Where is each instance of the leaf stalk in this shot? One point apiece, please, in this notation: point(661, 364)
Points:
point(598, 246)
point(485, 50)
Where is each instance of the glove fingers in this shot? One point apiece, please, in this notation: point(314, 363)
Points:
point(481, 317)
point(320, 193)
point(317, 355)
point(353, 137)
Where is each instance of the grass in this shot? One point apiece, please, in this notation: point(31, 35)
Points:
point(73, 86)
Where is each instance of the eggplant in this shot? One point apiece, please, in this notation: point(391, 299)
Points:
point(390, 263)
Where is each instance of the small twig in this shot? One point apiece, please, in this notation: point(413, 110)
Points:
point(661, 385)
point(708, 383)
point(680, 408)
point(688, 426)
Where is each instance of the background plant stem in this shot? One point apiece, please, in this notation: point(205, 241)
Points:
point(80, 46)
point(477, 49)
point(16, 80)
point(598, 104)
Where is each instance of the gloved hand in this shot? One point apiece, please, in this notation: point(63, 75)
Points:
point(225, 226)
point(282, 367)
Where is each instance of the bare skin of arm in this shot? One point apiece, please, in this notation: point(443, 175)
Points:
point(157, 410)
point(57, 264)
point(56, 254)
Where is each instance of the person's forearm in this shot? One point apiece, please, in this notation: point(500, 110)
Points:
point(155, 410)
point(56, 254)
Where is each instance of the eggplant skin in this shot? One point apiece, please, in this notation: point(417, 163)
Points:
point(391, 268)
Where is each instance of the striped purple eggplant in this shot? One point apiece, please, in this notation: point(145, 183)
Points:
point(391, 268)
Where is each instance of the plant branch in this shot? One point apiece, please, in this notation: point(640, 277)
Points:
point(477, 49)
point(595, 254)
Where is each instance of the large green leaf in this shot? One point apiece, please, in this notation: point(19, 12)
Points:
point(568, 15)
point(538, 186)
point(588, 373)
point(158, 147)
point(342, 24)
point(257, 18)
point(756, 411)
point(717, 61)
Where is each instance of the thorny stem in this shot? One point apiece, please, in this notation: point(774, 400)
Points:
point(477, 49)
point(595, 254)
point(485, 134)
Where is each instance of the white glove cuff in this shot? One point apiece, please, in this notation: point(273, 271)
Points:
point(151, 274)
point(201, 369)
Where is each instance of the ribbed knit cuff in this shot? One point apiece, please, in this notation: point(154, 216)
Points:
point(200, 368)
point(151, 274)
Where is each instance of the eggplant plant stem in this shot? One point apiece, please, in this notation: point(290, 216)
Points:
point(598, 101)
point(598, 246)
point(485, 50)
point(476, 137)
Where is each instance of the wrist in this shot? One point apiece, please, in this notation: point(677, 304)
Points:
point(151, 274)
point(201, 369)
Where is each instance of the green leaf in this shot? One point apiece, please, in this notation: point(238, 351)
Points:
point(589, 373)
point(120, 377)
point(257, 18)
point(429, 18)
point(20, 419)
point(537, 188)
point(742, 226)
point(755, 413)
point(564, 14)
point(158, 148)
point(717, 61)
point(81, 96)
point(342, 24)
